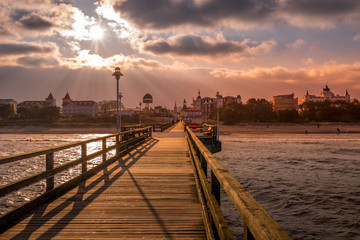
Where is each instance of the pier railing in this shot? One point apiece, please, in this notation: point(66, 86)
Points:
point(124, 142)
point(258, 224)
point(161, 127)
point(131, 127)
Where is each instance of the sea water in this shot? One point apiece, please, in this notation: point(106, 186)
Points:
point(11, 144)
point(310, 184)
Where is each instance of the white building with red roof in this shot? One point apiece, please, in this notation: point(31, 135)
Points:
point(49, 101)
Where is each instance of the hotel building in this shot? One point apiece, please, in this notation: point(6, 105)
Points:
point(325, 95)
point(284, 102)
point(72, 108)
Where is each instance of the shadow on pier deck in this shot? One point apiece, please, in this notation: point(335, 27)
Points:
point(155, 186)
point(148, 193)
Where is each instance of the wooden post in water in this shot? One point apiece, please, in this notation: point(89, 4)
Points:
point(49, 166)
point(83, 156)
point(104, 148)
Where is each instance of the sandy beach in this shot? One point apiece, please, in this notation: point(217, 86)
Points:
point(289, 129)
point(224, 129)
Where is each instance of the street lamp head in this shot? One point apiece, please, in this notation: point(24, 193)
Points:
point(117, 73)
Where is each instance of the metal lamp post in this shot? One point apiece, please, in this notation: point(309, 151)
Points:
point(217, 115)
point(120, 96)
point(140, 112)
point(117, 75)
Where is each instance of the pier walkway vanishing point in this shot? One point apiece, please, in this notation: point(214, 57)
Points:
point(149, 193)
point(162, 187)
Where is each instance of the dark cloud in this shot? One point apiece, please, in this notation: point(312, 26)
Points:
point(161, 14)
point(193, 45)
point(17, 14)
point(164, 14)
point(35, 22)
point(23, 48)
point(321, 7)
point(37, 61)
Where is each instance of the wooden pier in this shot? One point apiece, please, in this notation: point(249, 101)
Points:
point(155, 190)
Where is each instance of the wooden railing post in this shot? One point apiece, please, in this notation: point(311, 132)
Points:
point(247, 234)
point(215, 187)
point(49, 166)
point(104, 148)
point(83, 156)
point(203, 164)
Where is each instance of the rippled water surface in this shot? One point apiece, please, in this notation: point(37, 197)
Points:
point(11, 144)
point(310, 184)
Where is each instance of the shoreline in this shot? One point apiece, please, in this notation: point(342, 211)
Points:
point(224, 129)
point(56, 130)
point(289, 129)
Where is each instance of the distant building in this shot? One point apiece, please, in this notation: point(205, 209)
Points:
point(147, 99)
point(11, 102)
point(284, 102)
point(175, 108)
point(124, 111)
point(49, 101)
point(208, 104)
point(72, 108)
point(325, 95)
point(191, 113)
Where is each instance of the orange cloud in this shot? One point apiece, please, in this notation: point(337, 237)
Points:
point(336, 73)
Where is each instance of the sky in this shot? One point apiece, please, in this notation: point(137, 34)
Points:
point(174, 48)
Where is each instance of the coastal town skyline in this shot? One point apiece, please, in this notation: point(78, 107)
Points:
point(256, 49)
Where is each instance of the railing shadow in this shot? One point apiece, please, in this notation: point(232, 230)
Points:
point(152, 208)
point(79, 203)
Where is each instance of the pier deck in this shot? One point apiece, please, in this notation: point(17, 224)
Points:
point(149, 193)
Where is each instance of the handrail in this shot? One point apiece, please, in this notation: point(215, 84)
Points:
point(131, 127)
point(16, 157)
point(125, 141)
point(258, 224)
point(162, 126)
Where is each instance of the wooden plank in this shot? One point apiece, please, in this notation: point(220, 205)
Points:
point(150, 193)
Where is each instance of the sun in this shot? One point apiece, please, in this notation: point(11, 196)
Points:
point(96, 33)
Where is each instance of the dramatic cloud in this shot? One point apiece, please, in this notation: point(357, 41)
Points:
point(320, 7)
point(24, 48)
point(38, 61)
point(44, 18)
point(340, 74)
point(190, 45)
point(319, 13)
point(163, 14)
point(35, 22)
